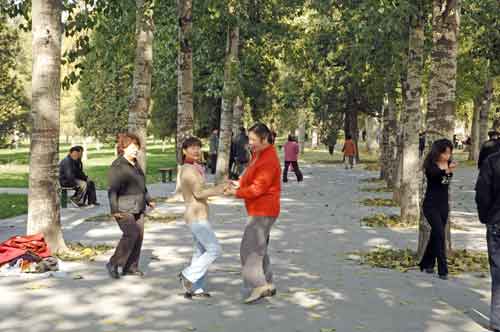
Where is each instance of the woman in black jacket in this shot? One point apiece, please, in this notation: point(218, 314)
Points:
point(438, 168)
point(128, 198)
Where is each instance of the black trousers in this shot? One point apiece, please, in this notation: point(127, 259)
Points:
point(296, 170)
point(493, 239)
point(128, 251)
point(436, 248)
point(213, 162)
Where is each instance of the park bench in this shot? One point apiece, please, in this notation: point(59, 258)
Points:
point(64, 196)
point(163, 172)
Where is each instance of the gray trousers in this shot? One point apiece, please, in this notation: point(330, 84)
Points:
point(493, 239)
point(255, 262)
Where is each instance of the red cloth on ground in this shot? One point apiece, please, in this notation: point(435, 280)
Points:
point(17, 246)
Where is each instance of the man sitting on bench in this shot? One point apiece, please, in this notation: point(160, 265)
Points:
point(71, 175)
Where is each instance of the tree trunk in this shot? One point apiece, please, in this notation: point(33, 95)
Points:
point(185, 122)
point(238, 110)
point(442, 89)
point(302, 130)
point(411, 166)
point(230, 93)
point(44, 214)
point(389, 139)
point(371, 125)
point(475, 141)
point(138, 107)
point(484, 110)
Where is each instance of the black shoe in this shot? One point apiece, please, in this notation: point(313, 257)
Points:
point(95, 204)
point(112, 270)
point(136, 273)
point(185, 283)
point(429, 270)
point(443, 276)
point(201, 295)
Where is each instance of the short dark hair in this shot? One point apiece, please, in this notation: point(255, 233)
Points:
point(242, 129)
point(125, 139)
point(77, 148)
point(492, 133)
point(191, 141)
point(262, 131)
point(349, 136)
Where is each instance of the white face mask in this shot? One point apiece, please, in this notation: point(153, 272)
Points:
point(131, 151)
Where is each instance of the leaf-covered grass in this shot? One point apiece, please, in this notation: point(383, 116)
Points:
point(384, 220)
point(459, 261)
point(12, 205)
point(379, 202)
point(376, 189)
point(14, 165)
point(82, 252)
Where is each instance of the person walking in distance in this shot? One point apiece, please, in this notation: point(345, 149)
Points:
point(292, 150)
point(349, 151)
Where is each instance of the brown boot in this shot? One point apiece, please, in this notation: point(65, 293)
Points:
point(258, 293)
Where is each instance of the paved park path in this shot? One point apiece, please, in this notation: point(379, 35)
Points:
point(319, 289)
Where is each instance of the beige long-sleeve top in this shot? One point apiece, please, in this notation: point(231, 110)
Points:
point(196, 194)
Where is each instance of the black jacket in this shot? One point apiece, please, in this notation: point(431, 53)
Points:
point(69, 171)
point(488, 148)
point(488, 190)
point(127, 188)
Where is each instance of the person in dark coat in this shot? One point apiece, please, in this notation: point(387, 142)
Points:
point(71, 175)
point(438, 168)
point(421, 144)
point(241, 153)
point(489, 147)
point(128, 199)
point(488, 207)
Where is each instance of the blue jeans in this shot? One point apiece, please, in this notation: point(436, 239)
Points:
point(493, 238)
point(206, 250)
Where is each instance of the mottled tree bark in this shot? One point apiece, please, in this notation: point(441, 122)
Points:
point(143, 69)
point(442, 88)
point(44, 211)
point(411, 166)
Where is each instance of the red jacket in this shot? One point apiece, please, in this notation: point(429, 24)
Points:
point(17, 246)
point(260, 186)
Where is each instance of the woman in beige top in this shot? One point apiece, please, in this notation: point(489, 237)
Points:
point(206, 246)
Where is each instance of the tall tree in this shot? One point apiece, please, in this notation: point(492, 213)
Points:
point(44, 214)
point(184, 75)
point(442, 88)
point(410, 182)
point(231, 96)
point(143, 68)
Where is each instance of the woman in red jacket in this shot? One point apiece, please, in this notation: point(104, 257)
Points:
point(260, 187)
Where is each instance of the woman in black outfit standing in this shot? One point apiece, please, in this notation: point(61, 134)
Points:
point(128, 198)
point(438, 168)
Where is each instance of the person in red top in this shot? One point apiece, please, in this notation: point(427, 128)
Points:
point(349, 150)
point(291, 157)
point(260, 187)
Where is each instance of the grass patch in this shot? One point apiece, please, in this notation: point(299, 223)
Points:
point(459, 261)
point(82, 252)
point(372, 180)
point(379, 202)
point(384, 220)
point(154, 217)
point(376, 189)
point(14, 165)
point(372, 167)
point(12, 205)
